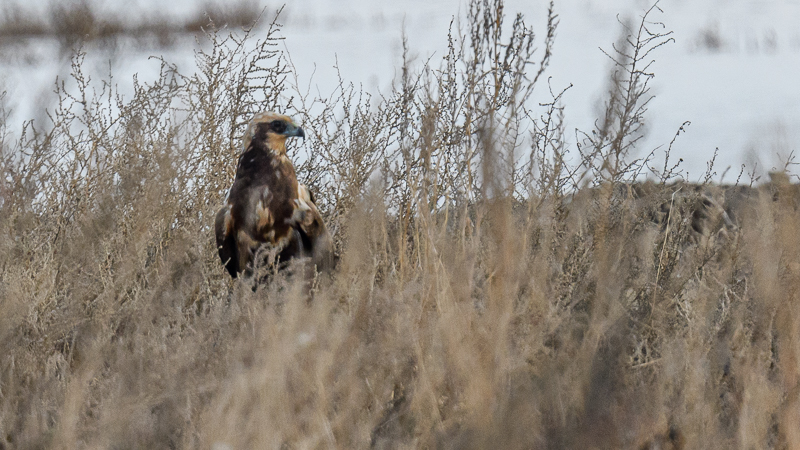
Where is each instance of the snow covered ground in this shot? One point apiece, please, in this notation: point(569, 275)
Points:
point(732, 70)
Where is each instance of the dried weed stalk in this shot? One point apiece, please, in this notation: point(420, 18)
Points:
point(496, 288)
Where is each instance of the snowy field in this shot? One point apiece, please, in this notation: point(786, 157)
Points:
point(732, 70)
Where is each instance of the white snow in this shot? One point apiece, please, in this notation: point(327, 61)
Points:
point(732, 70)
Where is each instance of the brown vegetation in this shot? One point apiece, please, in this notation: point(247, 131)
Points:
point(492, 291)
point(77, 22)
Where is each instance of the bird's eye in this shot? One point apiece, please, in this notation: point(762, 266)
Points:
point(279, 126)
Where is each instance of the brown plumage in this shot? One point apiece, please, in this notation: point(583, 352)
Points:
point(266, 205)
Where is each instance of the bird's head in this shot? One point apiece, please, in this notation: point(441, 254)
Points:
point(272, 129)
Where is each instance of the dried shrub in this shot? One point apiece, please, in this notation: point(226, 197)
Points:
point(497, 287)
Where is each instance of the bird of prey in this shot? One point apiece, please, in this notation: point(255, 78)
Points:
point(267, 207)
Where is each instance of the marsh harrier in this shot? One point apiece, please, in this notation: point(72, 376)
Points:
point(267, 209)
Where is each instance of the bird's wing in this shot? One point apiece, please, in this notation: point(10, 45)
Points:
point(226, 241)
point(315, 236)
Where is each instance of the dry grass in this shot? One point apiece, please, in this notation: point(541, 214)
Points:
point(77, 22)
point(491, 291)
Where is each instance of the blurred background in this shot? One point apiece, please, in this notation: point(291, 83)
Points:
point(731, 71)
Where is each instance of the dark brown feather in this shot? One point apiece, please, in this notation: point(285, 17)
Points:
point(267, 207)
point(226, 244)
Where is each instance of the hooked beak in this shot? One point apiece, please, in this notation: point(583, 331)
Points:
point(294, 131)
